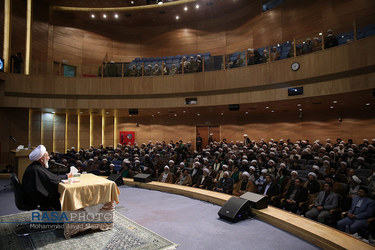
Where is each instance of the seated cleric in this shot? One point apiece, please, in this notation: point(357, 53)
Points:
point(39, 184)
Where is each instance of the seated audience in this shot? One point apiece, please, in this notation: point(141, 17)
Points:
point(245, 185)
point(270, 188)
point(166, 176)
point(275, 54)
point(317, 45)
point(184, 179)
point(225, 184)
point(330, 40)
point(325, 201)
point(362, 209)
point(204, 181)
point(296, 194)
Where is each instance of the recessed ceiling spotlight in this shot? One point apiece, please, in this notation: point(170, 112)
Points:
point(92, 16)
point(186, 8)
point(177, 17)
point(104, 16)
point(197, 6)
point(331, 107)
point(116, 16)
point(335, 102)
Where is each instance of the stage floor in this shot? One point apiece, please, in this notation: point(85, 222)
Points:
point(191, 223)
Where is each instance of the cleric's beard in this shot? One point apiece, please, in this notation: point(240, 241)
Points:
point(46, 164)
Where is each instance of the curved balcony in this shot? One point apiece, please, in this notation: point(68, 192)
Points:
point(341, 69)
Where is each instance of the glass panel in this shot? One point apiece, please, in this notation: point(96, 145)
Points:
point(69, 71)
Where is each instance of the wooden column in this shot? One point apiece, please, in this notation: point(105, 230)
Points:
point(7, 41)
point(28, 36)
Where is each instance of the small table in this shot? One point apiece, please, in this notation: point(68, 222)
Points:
point(91, 191)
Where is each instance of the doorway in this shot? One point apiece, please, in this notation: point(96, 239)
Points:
point(205, 131)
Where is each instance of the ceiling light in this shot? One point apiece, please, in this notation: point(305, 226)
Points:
point(104, 16)
point(335, 102)
point(92, 16)
point(186, 8)
point(197, 6)
point(177, 17)
point(116, 16)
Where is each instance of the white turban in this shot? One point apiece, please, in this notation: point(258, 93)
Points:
point(171, 161)
point(313, 174)
point(166, 167)
point(37, 153)
point(294, 171)
point(252, 168)
point(182, 164)
point(225, 166)
point(247, 174)
point(356, 179)
point(206, 170)
point(316, 167)
point(264, 171)
point(226, 172)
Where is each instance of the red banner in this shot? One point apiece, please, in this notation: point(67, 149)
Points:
point(127, 137)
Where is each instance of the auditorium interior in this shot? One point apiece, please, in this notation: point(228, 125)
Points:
point(196, 80)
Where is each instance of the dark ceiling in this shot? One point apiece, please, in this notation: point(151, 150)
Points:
point(140, 14)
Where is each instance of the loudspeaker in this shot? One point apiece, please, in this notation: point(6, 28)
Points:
point(117, 178)
point(142, 178)
point(133, 111)
point(235, 209)
point(257, 201)
point(234, 107)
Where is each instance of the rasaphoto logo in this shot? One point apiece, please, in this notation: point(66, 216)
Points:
point(71, 217)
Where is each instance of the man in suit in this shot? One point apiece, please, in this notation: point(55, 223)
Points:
point(270, 188)
point(362, 208)
point(325, 201)
point(196, 173)
point(296, 193)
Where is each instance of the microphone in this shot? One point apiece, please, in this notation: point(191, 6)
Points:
point(13, 139)
point(58, 164)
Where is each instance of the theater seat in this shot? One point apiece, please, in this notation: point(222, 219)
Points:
point(19, 195)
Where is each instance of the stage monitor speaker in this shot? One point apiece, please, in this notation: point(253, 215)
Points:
point(117, 178)
point(235, 209)
point(133, 111)
point(257, 201)
point(142, 178)
point(234, 107)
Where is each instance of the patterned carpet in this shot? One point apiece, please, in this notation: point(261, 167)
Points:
point(126, 234)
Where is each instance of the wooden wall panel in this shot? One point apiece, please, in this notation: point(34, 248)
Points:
point(59, 138)
point(14, 123)
point(72, 131)
point(35, 129)
point(84, 131)
point(108, 131)
point(47, 131)
point(97, 130)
